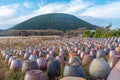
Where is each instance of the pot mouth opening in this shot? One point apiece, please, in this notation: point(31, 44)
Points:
point(32, 72)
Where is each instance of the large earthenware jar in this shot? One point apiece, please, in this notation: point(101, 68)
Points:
point(12, 58)
point(16, 65)
point(99, 68)
point(42, 63)
point(115, 72)
point(34, 75)
point(27, 55)
point(112, 53)
point(7, 57)
point(33, 57)
point(86, 60)
point(60, 58)
point(73, 69)
point(53, 69)
point(113, 60)
point(74, 59)
point(29, 65)
point(100, 54)
point(118, 49)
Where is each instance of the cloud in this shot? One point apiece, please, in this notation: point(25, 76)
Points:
point(7, 11)
point(110, 10)
point(13, 14)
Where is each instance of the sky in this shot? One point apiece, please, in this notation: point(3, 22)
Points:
point(98, 12)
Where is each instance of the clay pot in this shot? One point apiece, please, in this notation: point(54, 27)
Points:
point(4, 53)
point(27, 55)
point(53, 69)
point(93, 52)
point(73, 69)
point(115, 72)
point(83, 54)
point(60, 58)
point(86, 60)
point(74, 59)
point(107, 51)
point(8, 57)
point(33, 57)
point(42, 63)
point(16, 65)
point(34, 75)
point(99, 68)
point(118, 50)
point(72, 78)
point(100, 54)
point(36, 52)
point(49, 57)
point(112, 47)
point(42, 54)
point(113, 60)
point(29, 65)
point(22, 53)
point(112, 53)
point(12, 58)
point(72, 54)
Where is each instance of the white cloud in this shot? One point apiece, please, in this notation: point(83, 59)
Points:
point(110, 10)
point(7, 11)
point(74, 7)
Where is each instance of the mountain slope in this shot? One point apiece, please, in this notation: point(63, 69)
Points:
point(57, 21)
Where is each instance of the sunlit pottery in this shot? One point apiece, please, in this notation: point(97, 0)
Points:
point(7, 57)
point(42, 63)
point(33, 57)
point(36, 52)
point(118, 49)
point(93, 52)
point(29, 65)
point(12, 58)
point(107, 51)
point(42, 54)
point(113, 60)
point(99, 69)
point(100, 54)
point(111, 47)
point(16, 65)
point(83, 54)
point(34, 75)
point(73, 69)
point(74, 59)
point(79, 52)
point(72, 78)
point(53, 69)
point(27, 55)
point(4, 53)
point(49, 57)
point(115, 72)
point(86, 60)
point(22, 52)
point(112, 53)
point(60, 58)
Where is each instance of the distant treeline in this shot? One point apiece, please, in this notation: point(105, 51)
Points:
point(41, 32)
point(102, 32)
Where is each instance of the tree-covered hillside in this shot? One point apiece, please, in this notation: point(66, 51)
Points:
point(57, 21)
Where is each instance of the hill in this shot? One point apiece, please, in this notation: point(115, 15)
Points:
point(56, 21)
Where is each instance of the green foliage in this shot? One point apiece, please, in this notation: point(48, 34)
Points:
point(103, 32)
point(56, 21)
point(88, 33)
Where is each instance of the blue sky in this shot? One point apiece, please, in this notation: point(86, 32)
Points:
point(98, 12)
